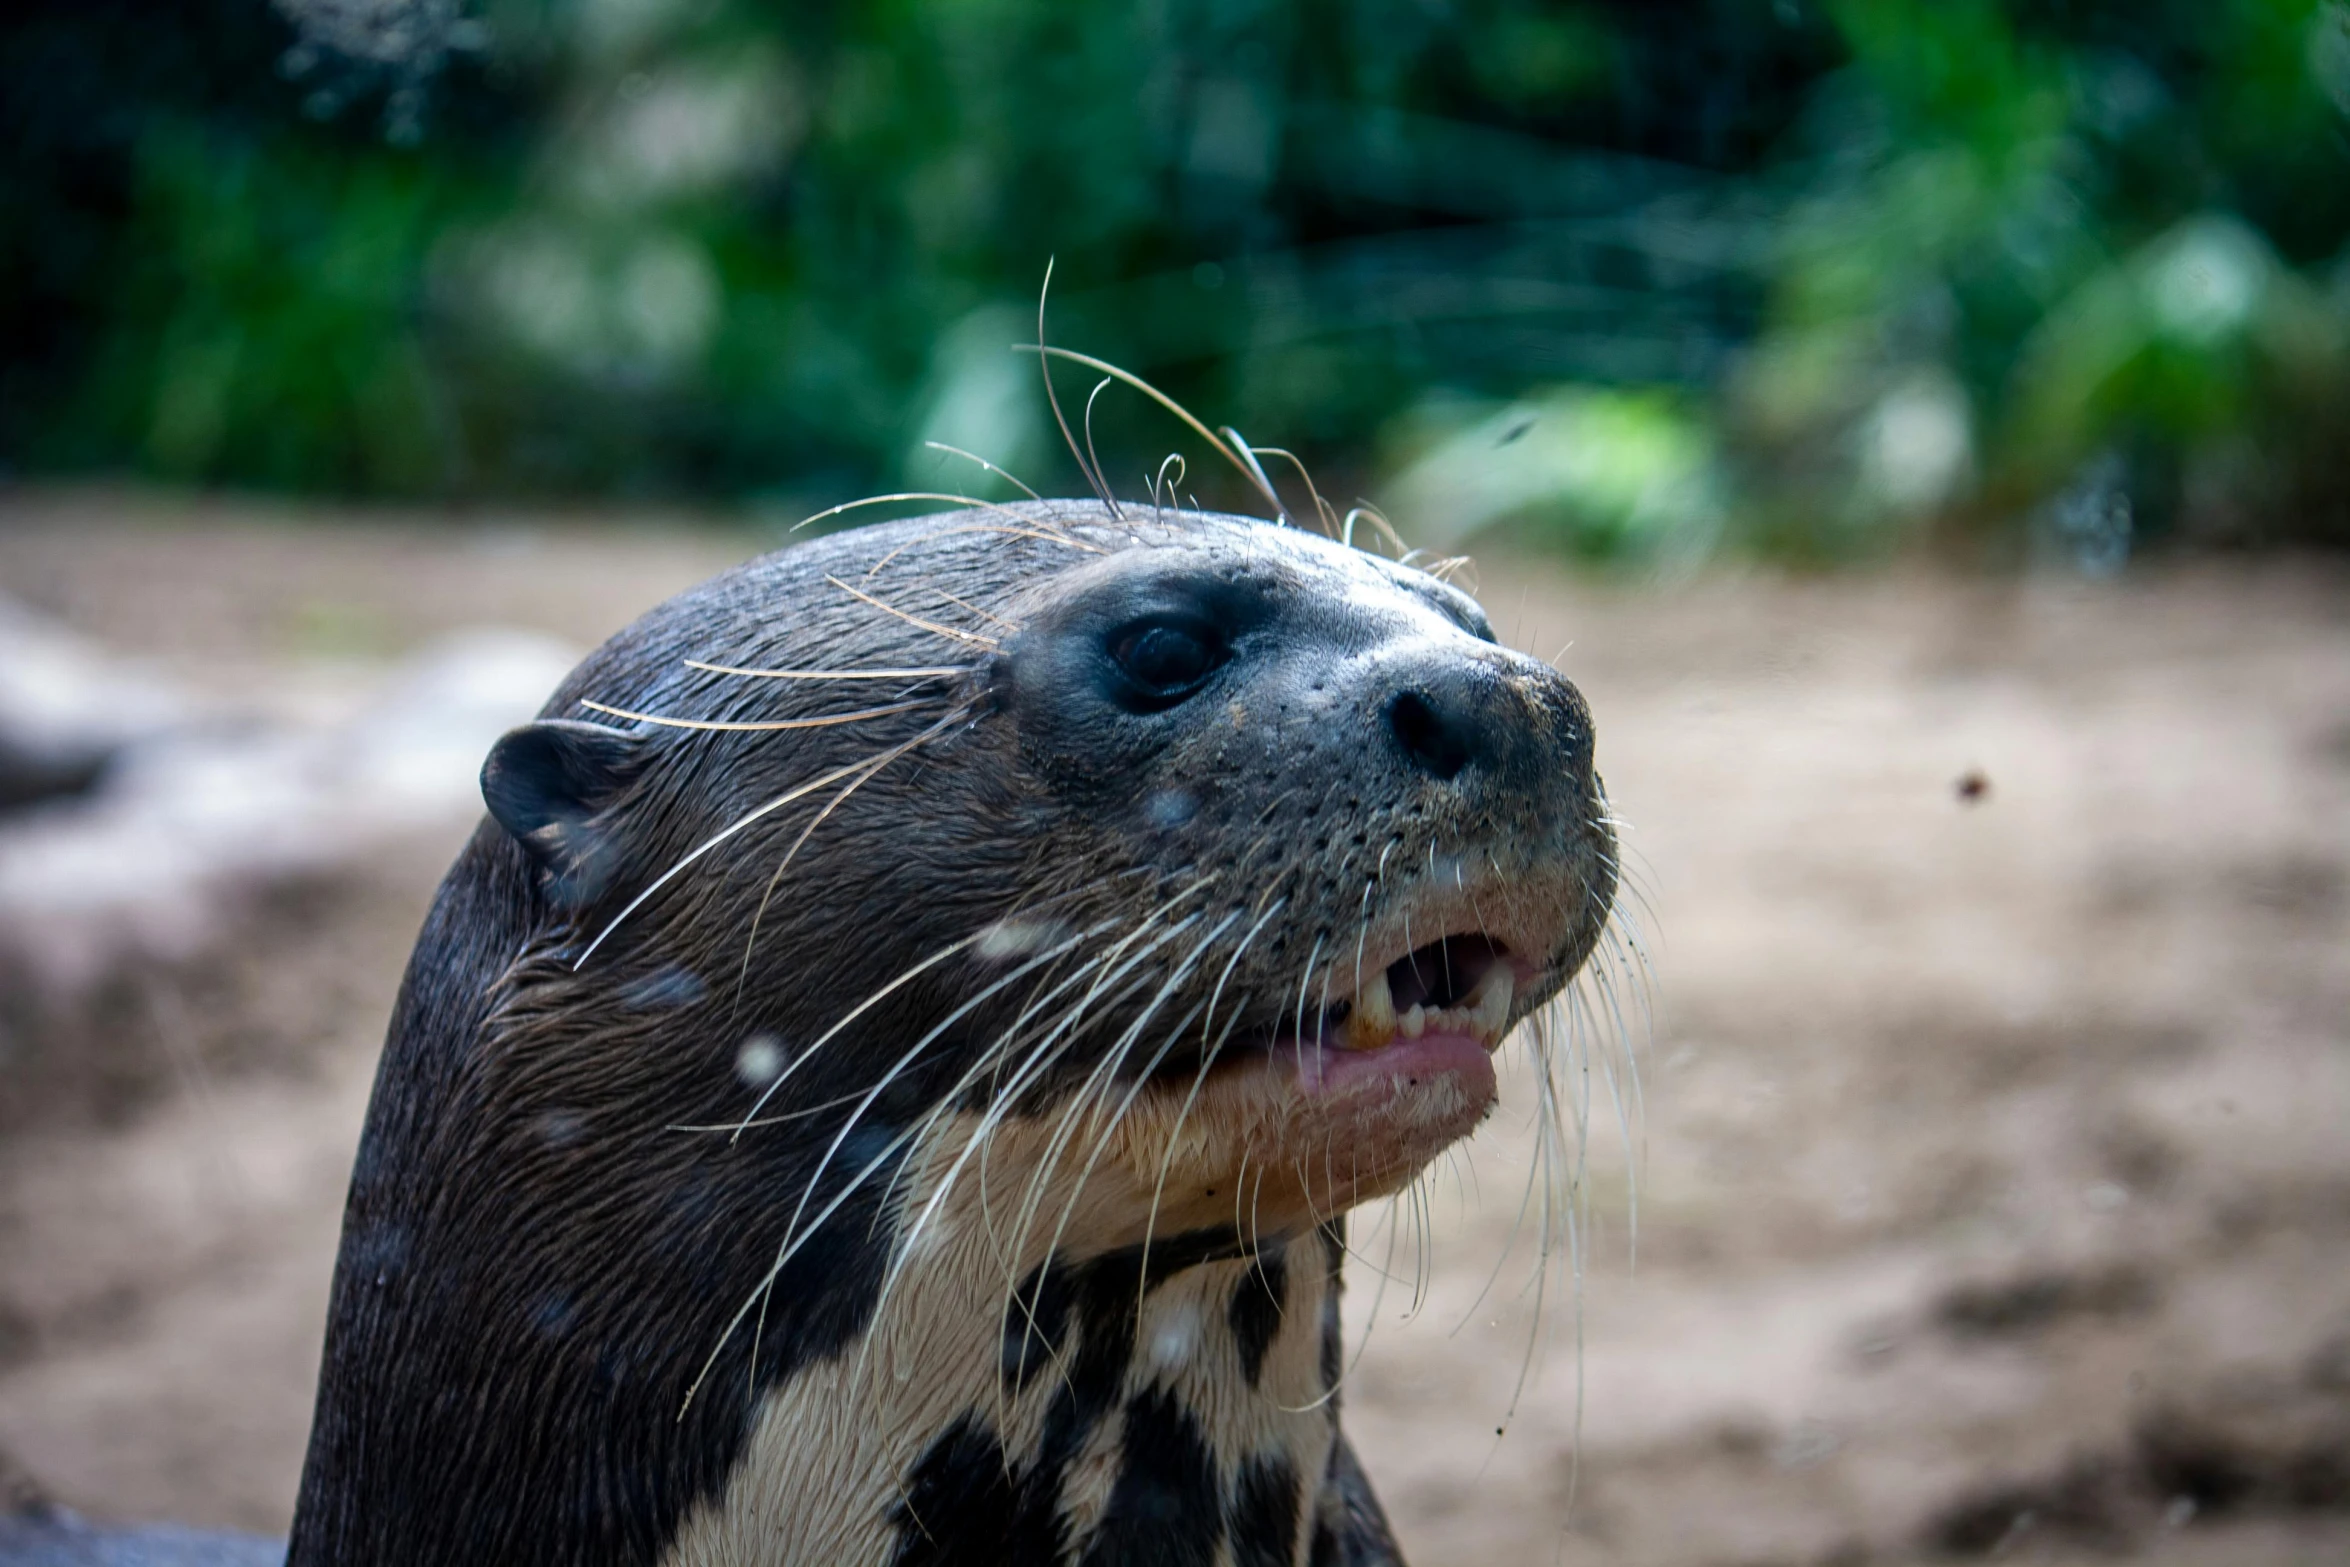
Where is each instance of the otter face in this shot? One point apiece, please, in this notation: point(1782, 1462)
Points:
point(1148, 875)
point(1377, 835)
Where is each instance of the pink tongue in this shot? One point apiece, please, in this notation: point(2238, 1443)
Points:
point(1406, 1063)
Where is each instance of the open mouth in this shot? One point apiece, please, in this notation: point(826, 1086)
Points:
point(1341, 1104)
point(1462, 985)
point(1448, 999)
point(1457, 990)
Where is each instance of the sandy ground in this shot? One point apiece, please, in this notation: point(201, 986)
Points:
point(1993, 1156)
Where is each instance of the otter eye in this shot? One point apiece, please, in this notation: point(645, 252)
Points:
point(1165, 661)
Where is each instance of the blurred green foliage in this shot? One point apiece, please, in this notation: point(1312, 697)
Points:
point(1644, 279)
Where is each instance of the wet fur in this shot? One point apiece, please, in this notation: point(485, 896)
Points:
point(602, 1300)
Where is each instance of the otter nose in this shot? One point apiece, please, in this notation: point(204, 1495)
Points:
point(1443, 723)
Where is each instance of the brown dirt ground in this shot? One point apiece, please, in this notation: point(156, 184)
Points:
point(1994, 1170)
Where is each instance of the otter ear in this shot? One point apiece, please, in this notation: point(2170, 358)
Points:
point(546, 783)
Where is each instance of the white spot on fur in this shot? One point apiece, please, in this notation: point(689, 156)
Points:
point(760, 1061)
point(1013, 938)
point(1177, 1339)
point(1170, 808)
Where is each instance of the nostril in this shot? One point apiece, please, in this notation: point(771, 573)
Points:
point(1433, 744)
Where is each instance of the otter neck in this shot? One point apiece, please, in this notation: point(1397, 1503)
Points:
point(1192, 1379)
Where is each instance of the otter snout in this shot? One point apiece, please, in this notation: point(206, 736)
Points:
point(1485, 717)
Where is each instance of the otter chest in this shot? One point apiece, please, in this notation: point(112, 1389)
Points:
point(1120, 1409)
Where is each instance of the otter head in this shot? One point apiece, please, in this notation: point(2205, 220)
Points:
point(901, 918)
point(1189, 858)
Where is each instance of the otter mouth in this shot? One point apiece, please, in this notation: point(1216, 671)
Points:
point(1444, 1004)
point(1461, 985)
point(1338, 1104)
point(1344, 1102)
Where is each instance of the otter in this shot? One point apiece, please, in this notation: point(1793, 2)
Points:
point(886, 1081)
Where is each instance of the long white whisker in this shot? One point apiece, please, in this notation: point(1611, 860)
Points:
point(755, 725)
point(794, 1236)
point(775, 879)
point(1142, 1080)
point(941, 446)
point(918, 672)
point(952, 633)
point(1008, 1094)
point(855, 1012)
point(799, 791)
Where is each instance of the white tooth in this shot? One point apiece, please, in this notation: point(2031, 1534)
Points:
point(1490, 1007)
point(1372, 1022)
point(1414, 1021)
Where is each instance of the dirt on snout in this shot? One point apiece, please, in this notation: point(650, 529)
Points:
point(1984, 1191)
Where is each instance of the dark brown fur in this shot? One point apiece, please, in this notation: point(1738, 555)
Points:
point(559, 1308)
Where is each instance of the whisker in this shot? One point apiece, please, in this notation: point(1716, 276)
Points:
point(967, 606)
point(1248, 455)
point(1304, 983)
point(1080, 1099)
point(946, 496)
point(926, 672)
point(941, 446)
point(1249, 470)
point(1199, 1079)
point(742, 978)
point(1093, 458)
point(972, 637)
point(1161, 481)
point(1451, 566)
point(1142, 1079)
point(753, 726)
point(1322, 509)
point(1008, 1094)
point(1038, 529)
point(737, 1128)
point(1092, 475)
point(794, 1236)
point(1378, 519)
point(798, 791)
point(860, 1009)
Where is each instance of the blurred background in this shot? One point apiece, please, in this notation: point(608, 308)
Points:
point(1638, 280)
point(1921, 426)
